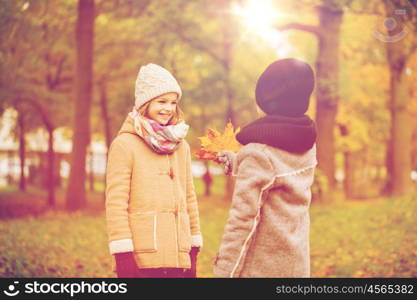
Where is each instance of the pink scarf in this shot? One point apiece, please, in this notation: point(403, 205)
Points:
point(161, 139)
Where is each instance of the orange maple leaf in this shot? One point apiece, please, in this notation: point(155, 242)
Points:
point(215, 142)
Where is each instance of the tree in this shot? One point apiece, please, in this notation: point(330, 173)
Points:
point(118, 34)
point(220, 46)
point(327, 86)
point(399, 50)
point(75, 197)
point(35, 76)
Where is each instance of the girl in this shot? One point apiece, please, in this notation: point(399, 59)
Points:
point(151, 207)
point(267, 233)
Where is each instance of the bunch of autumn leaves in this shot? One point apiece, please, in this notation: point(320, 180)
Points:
point(215, 142)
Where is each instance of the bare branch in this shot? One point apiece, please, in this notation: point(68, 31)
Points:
point(40, 109)
point(124, 10)
point(364, 12)
point(54, 80)
point(199, 46)
point(296, 26)
point(121, 44)
point(103, 78)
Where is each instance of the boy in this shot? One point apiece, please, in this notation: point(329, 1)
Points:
point(267, 233)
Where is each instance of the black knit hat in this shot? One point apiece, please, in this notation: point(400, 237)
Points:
point(284, 88)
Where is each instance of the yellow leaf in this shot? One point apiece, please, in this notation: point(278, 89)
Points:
point(215, 142)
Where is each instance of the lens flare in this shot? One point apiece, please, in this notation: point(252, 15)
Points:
point(259, 17)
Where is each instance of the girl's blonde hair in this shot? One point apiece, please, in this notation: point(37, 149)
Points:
point(176, 118)
point(260, 112)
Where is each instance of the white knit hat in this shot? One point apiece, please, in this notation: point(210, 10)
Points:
point(153, 81)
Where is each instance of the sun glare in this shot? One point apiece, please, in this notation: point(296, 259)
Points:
point(259, 17)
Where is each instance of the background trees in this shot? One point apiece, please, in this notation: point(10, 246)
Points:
point(364, 101)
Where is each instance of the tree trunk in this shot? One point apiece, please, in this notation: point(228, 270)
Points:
point(349, 181)
point(57, 168)
point(10, 162)
point(327, 91)
point(91, 173)
point(50, 171)
point(76, 198)
point(105, 113)
point(207, 179)
point(327, 87)
point(230, 116)
point(51, 168)
point(400, 182)
point(399, 151)
point(387, 189)
point(106, 122)
point(227, 60)
point(22, 151)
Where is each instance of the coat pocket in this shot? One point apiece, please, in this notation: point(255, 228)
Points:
point(184, 232)
point(143, 228)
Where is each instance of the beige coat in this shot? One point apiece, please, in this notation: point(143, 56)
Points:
point(146, 211)
point(267, 233)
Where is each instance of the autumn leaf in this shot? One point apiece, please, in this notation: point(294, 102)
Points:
point(215, 142)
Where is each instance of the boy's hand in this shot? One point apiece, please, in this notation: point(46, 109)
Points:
point(227, 158)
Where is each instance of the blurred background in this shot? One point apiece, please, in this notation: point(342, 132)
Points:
point(67, 78)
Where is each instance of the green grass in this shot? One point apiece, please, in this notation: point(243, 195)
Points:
point(217, 187)
point(57, 244)
point(373, 238)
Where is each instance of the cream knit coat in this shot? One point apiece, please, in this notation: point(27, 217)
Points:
point(146, 211)
point(267, 233)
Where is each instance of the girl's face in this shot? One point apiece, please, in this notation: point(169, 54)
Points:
point(161, 109)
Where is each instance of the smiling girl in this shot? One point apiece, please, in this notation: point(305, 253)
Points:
point(151, 206)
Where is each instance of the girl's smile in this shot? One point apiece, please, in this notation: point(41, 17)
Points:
point(162, 108)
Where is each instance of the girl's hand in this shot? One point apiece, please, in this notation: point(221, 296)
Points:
point(193, 256)
point(126, 265)
point(227, 158)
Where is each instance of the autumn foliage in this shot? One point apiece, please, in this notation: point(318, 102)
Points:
point(215, 142)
